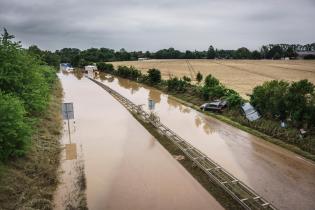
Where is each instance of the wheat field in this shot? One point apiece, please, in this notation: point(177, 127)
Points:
point(240, 75)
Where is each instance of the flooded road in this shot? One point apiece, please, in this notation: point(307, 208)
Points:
point(282, 177)
point(125, 167)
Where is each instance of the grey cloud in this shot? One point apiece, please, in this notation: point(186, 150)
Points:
point(152, 25)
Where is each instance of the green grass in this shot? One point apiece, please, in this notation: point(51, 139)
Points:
point(30, 182)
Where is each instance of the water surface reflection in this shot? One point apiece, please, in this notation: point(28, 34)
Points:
point(280, 176)
point(125, 167)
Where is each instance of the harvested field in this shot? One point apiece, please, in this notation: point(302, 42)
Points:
point(240, 75)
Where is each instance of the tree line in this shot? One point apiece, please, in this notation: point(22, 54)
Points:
point(25, 87)
point(80, 58)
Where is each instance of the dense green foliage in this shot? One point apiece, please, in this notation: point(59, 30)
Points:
point(15, 132)
point(199, 77)
point(175, 84)
point(187, 79)
point(154, 76)
point(283, 100)
point(211, 52)
point(105, 67)
point(26, 84)
point(128, 72)
point(211, 81)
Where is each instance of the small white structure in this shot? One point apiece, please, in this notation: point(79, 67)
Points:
point(66, 67)
point(143, 59)
point(90, 68)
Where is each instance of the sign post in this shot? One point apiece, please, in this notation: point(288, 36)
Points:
point(68, 113)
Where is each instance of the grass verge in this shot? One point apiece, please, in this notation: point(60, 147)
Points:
point(30, 182)
point(216, 191)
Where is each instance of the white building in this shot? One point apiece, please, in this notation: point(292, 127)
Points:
point(143, 59)
point(90, 68)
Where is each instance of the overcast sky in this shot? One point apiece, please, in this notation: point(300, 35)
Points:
point(156, 24)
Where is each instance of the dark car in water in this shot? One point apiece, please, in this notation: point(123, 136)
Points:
point(216, 105)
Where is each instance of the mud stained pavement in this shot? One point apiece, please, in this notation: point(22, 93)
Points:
point(125, 167)
point(282, 177)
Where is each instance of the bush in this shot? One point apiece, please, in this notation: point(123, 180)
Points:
point(199, 77)
point(233, 98)
point(105, 67)
point(154, 76)
point(128, 72)
point(211, 81)
point(279, 99)
point(269, 98)
point(15, 133)
point(216, 91)
point(25, 86)
point(187, 79)
point(176, 84)
point(21, 75)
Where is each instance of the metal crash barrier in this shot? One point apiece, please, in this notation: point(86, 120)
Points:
point(234, 187)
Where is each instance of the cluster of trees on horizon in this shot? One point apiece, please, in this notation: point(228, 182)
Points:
point(80, 58)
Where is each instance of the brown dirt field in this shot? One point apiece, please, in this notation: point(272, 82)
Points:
point(240, 75)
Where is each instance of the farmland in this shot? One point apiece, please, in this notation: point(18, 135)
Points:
point(240, 75)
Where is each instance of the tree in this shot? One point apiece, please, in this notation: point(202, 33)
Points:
point(6, 37)
point(105, 67)
point(199, 77)
point(34, 50)
point(211, 53)
point(51, 59)
point(242, 53)
point(277, 56)
point(154, 76)
point(15, 133)
point(270, 98)
point(256, 55)
point(211, 81)
point(187, 79)
point(299, 100)
point(233, 98)
point(22, 75)
point(275, 52)
point(290, 52)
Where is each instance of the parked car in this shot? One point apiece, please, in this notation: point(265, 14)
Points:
point(250, 112)
point(216, 105)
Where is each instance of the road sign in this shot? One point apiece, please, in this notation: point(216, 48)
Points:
point(67, 111)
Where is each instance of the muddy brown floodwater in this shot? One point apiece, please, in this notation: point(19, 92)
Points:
point(282, 177)
point(125, 167)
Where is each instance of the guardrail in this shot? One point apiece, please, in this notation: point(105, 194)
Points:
point(245, 196)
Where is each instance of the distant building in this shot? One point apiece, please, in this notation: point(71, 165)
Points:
point(66, 67)
point(303, 54)
point(90, 68)
point(143, 59)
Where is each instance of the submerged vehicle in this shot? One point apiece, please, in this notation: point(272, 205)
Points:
point(250, 112)
point(216, 105)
